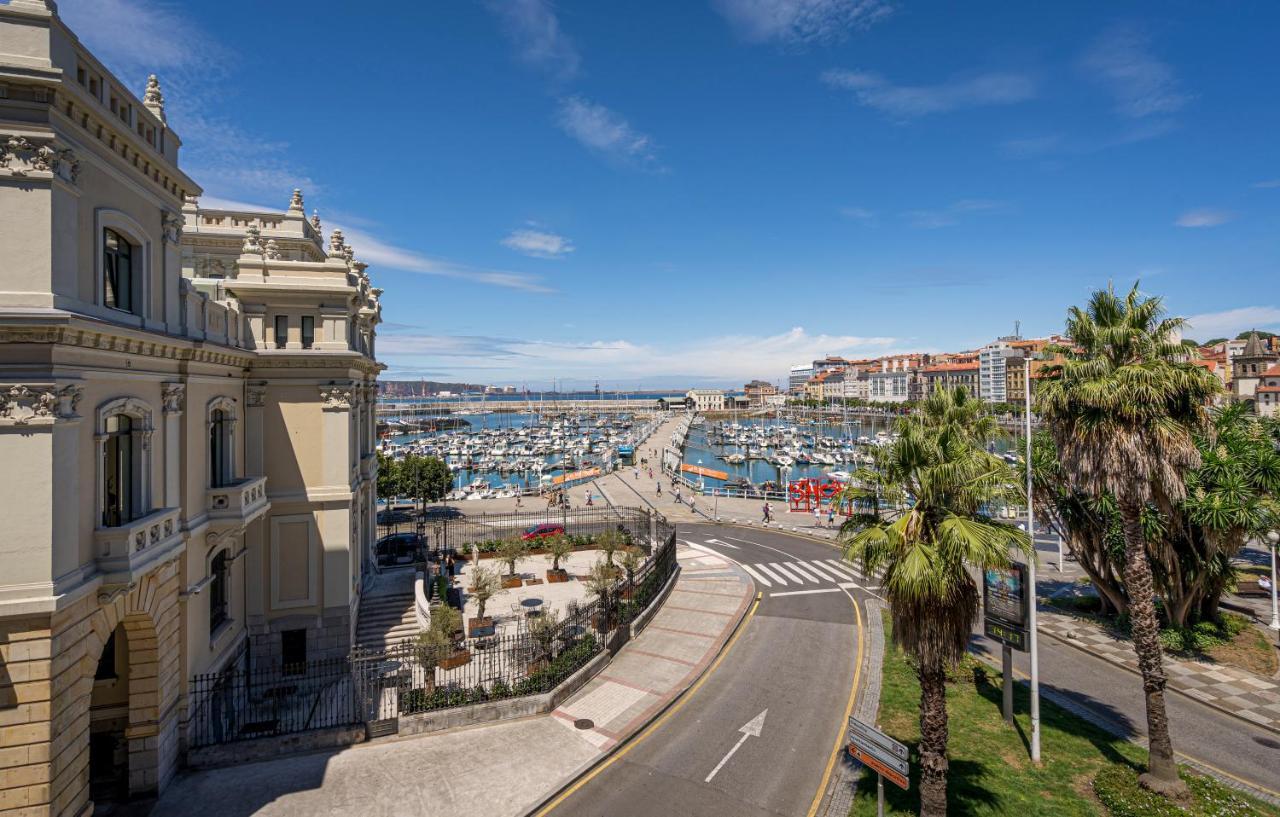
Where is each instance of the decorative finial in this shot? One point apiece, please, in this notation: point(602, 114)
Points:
point(295, 203)
point(315, 222)
point(153, 99)
point(336, 242)
point(272, 252)
point(251, 242)
point(347, 252)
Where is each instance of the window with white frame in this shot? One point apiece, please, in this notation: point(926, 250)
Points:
point(118, 282)
point(124, 445)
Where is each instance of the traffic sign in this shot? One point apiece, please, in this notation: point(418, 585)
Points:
point(879, 752)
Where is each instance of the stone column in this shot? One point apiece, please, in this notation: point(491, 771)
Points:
point(255, 400)
point(174, 396)
point(171, 270)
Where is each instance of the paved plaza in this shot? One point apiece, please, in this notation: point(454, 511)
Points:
point(503, 768)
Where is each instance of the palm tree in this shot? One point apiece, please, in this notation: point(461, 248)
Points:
point(939, 481)
point(1124, 406)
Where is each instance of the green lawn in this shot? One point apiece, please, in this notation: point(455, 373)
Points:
point(990, 770)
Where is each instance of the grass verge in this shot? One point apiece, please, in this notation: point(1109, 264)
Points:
point(990, 773)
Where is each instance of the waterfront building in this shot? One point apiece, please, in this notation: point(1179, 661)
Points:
point(951, 375)
point(991, 367)
point(758, 393)
point(1267, 393)
point(1249, 365)
point(813, 389)
point(799, 376)
point(186, 422)
point(706, 399)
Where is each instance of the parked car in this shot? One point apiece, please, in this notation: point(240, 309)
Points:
point(544, 531)
point(397, 549)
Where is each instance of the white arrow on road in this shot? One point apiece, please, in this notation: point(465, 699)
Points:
point(751, 729)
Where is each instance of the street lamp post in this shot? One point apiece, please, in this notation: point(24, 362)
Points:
point(1273, 539)
point(1031, 579)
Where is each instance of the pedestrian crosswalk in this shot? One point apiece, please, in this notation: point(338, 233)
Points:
point(800, 573)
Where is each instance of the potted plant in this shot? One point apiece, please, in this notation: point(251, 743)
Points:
point(609, 543)
point(447, 622)
point(544, 630)
point(431, 648)
point(483, 585)
point(510, 552)
point(559, 547)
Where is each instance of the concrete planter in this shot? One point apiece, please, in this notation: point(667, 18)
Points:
point(458, 659)
point(557, 576)
point(509, 582)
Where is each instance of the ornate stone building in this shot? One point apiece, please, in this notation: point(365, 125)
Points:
point(186, 430)
point(1249, 366)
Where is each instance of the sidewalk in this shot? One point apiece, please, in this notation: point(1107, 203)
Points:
point(1232, 690)
point(502, 769)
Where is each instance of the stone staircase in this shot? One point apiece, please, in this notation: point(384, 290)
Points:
point(386, 611)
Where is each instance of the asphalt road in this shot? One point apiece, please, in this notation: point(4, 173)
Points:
point(793, 661)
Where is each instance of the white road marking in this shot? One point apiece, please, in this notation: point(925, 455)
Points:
point(751, 729)
point(849, 586)
point(843, 569)
point(765, 569)
point(757, 544)
point(722, 544)
point(826, 572)
point(806, 592)
point(781, 568)
point(756, 575)
point(803, 570)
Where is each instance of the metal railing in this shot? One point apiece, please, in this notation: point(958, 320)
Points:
point(371, 685)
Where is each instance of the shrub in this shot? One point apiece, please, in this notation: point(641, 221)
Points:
point(1117, 788)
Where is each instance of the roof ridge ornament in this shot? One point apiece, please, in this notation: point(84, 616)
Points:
point(295, 203)
point(315, 223)
point(272, 252)
point(252, 244)
point(153, 99)
point(336, 243)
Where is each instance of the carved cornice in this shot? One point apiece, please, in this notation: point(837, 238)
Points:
point(336, 398)
point(37, 157)
point(174, 396)
point(29, 405)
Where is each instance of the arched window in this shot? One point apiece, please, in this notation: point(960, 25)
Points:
point(117, 271)
point(219, 449)
point(121, 466)
point(218, 590)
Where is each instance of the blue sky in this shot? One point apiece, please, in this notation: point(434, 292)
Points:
point(704, 191)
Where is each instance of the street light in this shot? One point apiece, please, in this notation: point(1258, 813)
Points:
point(1273, 538)
point(1031, 577)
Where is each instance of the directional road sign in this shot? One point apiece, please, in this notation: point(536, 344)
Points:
point(879, 752)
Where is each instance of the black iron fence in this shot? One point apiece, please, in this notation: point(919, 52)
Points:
point(372, 685)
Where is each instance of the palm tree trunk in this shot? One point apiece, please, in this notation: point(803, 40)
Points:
point(933, 742)
point(1162, 771)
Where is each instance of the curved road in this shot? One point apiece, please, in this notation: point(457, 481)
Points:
point(794, 660)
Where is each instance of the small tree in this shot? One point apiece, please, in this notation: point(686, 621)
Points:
point(388, 477)
point(484, 584)
point(559, 546)
point(430, 651)
point(609, 543)
point(445, 622)
point(544, 630)
point(512, 551)
point(631, 563)
point(600, 581)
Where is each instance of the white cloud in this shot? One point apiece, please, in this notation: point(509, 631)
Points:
point(727, 358)
point(904, 102)
point(605, 131)
point(1267, 184)
point(1203, 217)
point(952, 214)
point(533, 27)
point(800, 21)
point(538, 243)
point(1140, 83)
point(137, 37)
point(859, 214)
point(1231, 322)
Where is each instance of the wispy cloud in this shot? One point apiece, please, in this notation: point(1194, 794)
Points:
point(903, 102)
point(952, 214)
point(727, 358)
point(1140, 84)
point(1231, 322)
point(533, 28)
point(1266, 184)
point(378, 253)
point(1032, 146)
point(538, 243)
point(138, 37)
point(1203, 217)
point(605, 132)
point(800, 21)
point(861, 214)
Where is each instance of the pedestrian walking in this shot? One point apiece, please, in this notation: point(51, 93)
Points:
point(831, 516)
point(817, 517)
point(764, 512)
point(659, 489)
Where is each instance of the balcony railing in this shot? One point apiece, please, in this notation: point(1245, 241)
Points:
point(127, 551)
point(238, 503)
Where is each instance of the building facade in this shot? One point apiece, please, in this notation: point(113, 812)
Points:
point(799, 375)
point(706, 399)
point(1266, 396)
point(186, 418)
point(950, 376)
point(1249, 365)
point(759, 392)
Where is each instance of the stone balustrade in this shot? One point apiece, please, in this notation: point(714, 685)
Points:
point(239, 502)
point(125, 552)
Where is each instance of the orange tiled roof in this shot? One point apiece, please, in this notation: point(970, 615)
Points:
point(952, 367)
